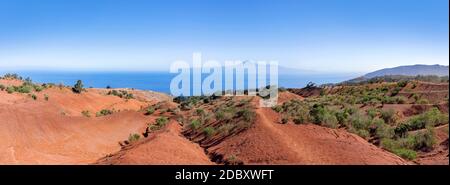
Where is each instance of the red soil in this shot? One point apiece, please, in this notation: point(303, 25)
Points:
point(268, 142)
point(287, 96)
point(55, 132)
point(164, 147)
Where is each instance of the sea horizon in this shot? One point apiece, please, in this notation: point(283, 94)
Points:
point(158, 81)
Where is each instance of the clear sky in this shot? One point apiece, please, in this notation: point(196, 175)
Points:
point(320, 35)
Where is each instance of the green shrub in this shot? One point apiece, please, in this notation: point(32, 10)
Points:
point(329, 120)
point(10, 89)
point(195, 124)
point(424, 140)
point(38, 88)
point(277, 108)
point(342, 117)
point(399, 148)
point(121, 94)
point(46, 97)
point(133, 138)
point(23, 89)
point(382, 130)
point(432, 117)
point(360, 132)
point(372, 112)
point(389, 116)
point(247, 114)
point(104, 112)
point(149, 111)
point(161, 121)
point(317, 111)
point(405, 153)
point(402, 84)
point(209, 131)
point(359, 121)
point(2, 87)
point(34, 97)
point(225, 113)
point(395, 91)
point(200, 112)
point(226, 128)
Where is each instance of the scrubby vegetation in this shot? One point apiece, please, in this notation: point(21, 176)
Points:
point(27, 86)
point(11, 76)
point(399, 78)
point(343, 108)
point(133, 138)
point(157, 125)
point(121, 93)
point(104, 112)
point(212, 118)
point(433, 117)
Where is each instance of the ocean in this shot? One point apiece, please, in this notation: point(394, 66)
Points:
point(158, 81)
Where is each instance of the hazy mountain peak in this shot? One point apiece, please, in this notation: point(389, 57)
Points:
point(411, 70)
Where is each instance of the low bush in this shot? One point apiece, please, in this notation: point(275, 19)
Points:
point(372, 112)
point(277, 108)
point(161, 121)
point(195, 124)
point(389, 116)
point(405, 153)
point(424, 140)
point(104, 112)
point(121, 94)
point(200, 112)
point(395, 91)
point(247, 114)
point(10, 89)
point(432, 117)
point(399, 148)
point(402, 83)
point(149, 111)
point(226, 128)
point(330, 120)
point(209, 131)
point(133, 138)
point(23, 89)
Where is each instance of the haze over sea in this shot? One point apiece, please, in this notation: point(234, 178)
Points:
point(158, 81)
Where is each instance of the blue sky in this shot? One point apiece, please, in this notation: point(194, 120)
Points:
point(320, 35)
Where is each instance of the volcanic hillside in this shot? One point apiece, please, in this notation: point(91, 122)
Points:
point(376, 123)
point(408, 117)
point(51, 124)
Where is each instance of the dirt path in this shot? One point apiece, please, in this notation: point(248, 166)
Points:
point(318, 145)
